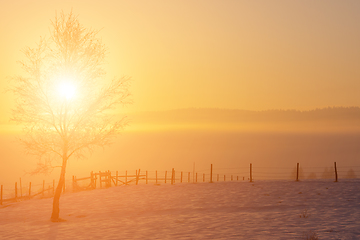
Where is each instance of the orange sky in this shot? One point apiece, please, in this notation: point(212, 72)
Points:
point(252, 55)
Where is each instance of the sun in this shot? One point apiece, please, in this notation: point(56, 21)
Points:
point(67, 89)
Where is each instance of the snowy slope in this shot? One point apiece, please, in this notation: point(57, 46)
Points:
point(223, 210)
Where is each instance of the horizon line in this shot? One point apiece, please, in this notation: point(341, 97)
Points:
point(248, 110)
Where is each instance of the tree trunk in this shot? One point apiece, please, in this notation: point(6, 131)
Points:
point(56, 209)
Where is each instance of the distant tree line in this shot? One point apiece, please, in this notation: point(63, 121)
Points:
point(328, 114)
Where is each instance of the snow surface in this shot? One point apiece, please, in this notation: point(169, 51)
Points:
point(222, 210)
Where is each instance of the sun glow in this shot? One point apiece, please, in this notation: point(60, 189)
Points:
point(67, 89)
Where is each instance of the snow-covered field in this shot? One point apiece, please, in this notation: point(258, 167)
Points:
point(223, 210)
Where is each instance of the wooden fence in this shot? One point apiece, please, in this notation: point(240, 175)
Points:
point(107, 179)
point(19, 195)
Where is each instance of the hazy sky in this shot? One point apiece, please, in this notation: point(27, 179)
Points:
point(252, 55)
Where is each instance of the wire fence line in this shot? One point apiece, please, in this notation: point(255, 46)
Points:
point(22, 191)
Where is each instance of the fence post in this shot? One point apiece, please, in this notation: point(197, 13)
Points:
point(217, 177)
point(93, 180)
point(251, 172)
point(137, 176)
point(211, 174)
point(126, 182)
point(203, 177)
point(297, 172)
point(172, 176)
point(336, 175)
point(165, 176)
point(20, 188)
point(146, 177)
point(224, 178)
point(116, 178)
point(1, 195)
point(237, 178)
point(231, 177)
point(136, 173)
point(100, 179)
point(15, 191)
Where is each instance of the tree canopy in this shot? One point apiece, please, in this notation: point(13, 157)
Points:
point(63, 100)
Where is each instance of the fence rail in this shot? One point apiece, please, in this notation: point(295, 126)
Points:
point(20, 195)
point(107, 179)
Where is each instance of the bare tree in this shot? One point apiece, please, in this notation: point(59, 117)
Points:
point(64, 101)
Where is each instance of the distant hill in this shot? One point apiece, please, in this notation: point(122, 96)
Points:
point(324, 119)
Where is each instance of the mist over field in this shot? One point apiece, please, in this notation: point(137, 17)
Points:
point(330, 119)
point(273, 141)
point(228, 139)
